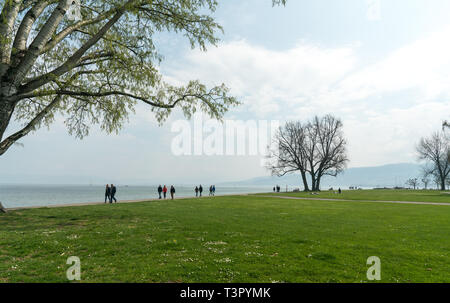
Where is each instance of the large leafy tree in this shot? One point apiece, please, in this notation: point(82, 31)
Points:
point(95, 70)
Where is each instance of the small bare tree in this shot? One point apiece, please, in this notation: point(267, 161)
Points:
point(445, 124)
point(425, 182)
point(412, 182)
point(436, 150)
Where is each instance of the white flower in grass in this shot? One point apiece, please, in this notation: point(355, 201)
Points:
point(224, 260)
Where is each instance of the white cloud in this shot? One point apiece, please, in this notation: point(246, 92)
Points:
point(266, 79)
point(385, 106)
point(391, 137)
point(423, 65)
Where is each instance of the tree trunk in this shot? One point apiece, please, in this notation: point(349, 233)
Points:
point(305, 181)
point(313, 182)
point(318, 183)
point(6, 108)
point(2, 209)
point(442, 183)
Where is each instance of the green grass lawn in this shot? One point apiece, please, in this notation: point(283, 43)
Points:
point(379, 195)
point(227, 239)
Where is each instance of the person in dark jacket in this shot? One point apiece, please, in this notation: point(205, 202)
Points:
point(196, 191)
point(159, 191)
point(107, 193)
point(172, 191)
point(200, 190)
point(113, 193)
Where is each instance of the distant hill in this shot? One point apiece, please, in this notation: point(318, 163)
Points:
point(379, 176)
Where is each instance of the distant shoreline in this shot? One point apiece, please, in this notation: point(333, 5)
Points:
point(14, 196)
point(124, 201)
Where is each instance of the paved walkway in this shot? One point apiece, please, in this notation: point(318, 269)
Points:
point(343, 200)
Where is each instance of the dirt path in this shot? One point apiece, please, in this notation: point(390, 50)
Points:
point(342, 200)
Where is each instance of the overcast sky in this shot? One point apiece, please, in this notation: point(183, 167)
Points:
point(385, 71)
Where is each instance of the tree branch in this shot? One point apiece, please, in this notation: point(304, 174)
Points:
point(20, 42)
point(70, 29)
point(19, 73)
point(74, 59)
point(7, 19)
point(9, 141)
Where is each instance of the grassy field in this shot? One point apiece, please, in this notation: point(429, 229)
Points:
point(227, 239)
point(379, 195)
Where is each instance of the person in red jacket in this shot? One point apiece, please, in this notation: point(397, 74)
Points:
point(164, 191)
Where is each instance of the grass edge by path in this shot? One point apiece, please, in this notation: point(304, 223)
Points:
point(347, 200)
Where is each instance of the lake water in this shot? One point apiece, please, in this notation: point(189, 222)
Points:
point(43, 195)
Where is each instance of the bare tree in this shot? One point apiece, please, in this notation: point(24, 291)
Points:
point(425, 182)
point(445, 124)
point(445, 127)
point(290, 156)
point(435, 150)
point(412, 182)
point(317, 148)
point(328, 154)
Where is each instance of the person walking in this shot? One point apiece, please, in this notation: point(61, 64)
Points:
point(107, 193)
point(196, 191)
point(210, 190)
point(172, 191)
point(160, 191)
point(164, 191)
point(339, 191)
point(200, 190)
point(113, 193)
point(214, 190)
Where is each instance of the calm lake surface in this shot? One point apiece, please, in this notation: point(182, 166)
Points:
point(43, 195)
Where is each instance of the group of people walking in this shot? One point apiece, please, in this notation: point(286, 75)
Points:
point(110, 193)
point(163, 191)
point(199, 190)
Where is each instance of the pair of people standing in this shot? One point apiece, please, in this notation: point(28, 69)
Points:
point(163, 190)
point(212, 190)
point(110, 193)
point(198, 190)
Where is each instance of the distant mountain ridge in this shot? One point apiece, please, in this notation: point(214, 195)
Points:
point(390, 175)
